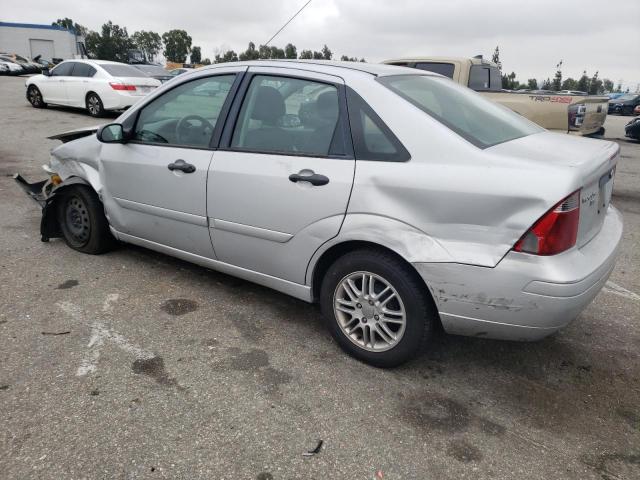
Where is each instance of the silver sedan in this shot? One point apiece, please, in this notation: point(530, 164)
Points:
point(394, 198)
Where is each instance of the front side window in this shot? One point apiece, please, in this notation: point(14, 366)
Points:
point(445, 69)
point(289, 115)
point(63, 70)
point(470, 115)
point(185, 115)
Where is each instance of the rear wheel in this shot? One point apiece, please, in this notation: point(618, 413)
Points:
point(94, 105)
point(376, 308)
point(35, 97)
point(82, 221)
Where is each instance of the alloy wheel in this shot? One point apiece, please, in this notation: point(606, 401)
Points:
point(369, 311)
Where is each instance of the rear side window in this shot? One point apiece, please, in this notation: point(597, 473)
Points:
point(372, 139)
point(290, 115)
point(470, 115)
point(445, 69)
point(483, 77)
point(63, 70)
point(116, 70)
point(83, 70)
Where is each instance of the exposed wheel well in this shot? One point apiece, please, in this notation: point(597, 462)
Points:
point(335, 252)
point(86, 97)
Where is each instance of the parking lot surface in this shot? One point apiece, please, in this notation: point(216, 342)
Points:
point(134, 365)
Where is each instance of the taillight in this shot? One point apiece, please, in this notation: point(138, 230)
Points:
point(122, 86)
point(556, 231)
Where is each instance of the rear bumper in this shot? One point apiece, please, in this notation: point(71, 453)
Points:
point(116, 100)
point(524, 297)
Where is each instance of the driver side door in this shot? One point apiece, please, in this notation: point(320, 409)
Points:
point(156, 183)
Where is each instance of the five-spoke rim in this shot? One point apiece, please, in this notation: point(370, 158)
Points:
point(34, 96)
point(369, 311)
point(77, 217)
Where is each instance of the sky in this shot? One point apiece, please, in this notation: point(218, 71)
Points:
point(533, 36)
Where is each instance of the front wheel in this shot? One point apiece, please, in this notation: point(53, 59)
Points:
point(94, 105)
point(376, 308)
point(35, 97)
point(82, 221)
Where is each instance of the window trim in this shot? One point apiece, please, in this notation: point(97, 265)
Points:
point(402, 154)
point(234, 115)
point(217, 128)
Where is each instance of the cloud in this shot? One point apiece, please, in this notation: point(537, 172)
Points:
point(532, 36)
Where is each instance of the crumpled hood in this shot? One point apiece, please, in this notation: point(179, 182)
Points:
point(74, 134)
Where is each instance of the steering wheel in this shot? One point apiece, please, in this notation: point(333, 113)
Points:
point(194, 130)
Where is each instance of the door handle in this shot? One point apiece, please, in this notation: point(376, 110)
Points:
point(182, 166)
point(314, 178)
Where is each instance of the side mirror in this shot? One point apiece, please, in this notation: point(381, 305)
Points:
point(112, 133)
point(46, 72)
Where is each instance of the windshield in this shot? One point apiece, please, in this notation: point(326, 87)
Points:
point(116, 70)
point(476, 119)
point(152, 70)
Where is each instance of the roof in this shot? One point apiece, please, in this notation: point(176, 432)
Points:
point(36, 25)
point(327, 66)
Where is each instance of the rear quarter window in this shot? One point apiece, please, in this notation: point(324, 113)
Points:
point(445, 69)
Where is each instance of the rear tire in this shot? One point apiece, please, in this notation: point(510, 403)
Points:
point(385, 323)
point(94, 105)
point(35, 97)
point(82, 221)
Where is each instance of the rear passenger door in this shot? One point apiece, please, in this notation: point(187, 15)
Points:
point(77, 85)
point(279, 184)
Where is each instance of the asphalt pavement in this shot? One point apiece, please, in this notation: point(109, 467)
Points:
point(135, 365)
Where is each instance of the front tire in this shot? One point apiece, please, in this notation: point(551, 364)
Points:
point(376, 308)
point(35, 97)
point(94, 105)
point(82, 221)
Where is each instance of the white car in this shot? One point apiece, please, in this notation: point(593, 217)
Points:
point(96, 85)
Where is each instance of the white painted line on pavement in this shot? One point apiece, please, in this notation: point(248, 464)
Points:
point(616, 289)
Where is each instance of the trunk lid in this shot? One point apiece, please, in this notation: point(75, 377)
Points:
point(591, 161)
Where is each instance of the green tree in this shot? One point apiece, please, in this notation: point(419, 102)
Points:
point(583, 83)
point(149, 43)
point(228, 56)
point(196, 54)
point(495, 58)
point(112, 43)
point(265, 52)
point(306, 54)
point(290, 51)
point(557, 79)
point(250, 53)
point(206, 61)
point(546, 84)
point(177, 45)
point(532, 84)
point(595, 86)
point(318, 55)
point(70, 25)
point(509, 82)
point(608, 85)
point(570, 84)
point(326, 53)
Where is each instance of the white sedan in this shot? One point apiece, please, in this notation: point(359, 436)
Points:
point(96, 85)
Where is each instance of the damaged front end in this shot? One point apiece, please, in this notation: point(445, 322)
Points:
point(46, 192)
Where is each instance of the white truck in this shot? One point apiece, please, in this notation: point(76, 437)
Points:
point(582, 114)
